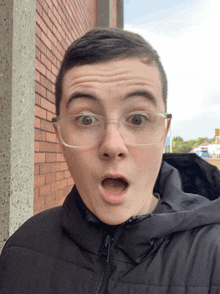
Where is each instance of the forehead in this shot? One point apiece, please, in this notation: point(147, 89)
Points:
point(113, 79)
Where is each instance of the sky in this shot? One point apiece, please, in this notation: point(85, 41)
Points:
point(186, 35)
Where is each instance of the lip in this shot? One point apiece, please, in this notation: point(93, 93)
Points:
point(110, 197)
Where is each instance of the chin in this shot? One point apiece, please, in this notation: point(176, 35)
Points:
point(112, 220)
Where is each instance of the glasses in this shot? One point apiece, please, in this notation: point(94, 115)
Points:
point(86, 130)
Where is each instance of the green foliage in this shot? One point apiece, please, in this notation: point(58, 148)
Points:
point(181, 146)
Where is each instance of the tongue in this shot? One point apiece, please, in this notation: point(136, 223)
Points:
point(114, 186)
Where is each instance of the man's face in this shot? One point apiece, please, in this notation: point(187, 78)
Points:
point(107, 89)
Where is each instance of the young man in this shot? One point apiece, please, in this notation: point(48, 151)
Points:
point(132, 223)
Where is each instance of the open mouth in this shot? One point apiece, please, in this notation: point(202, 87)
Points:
point(114, 185)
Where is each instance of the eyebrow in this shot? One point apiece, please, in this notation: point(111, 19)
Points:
point(144, 94)
point(77, 95)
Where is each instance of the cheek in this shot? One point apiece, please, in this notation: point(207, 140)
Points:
point(79, 162)
point(148, 159)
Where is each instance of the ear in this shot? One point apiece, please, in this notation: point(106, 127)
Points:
point(58, 137)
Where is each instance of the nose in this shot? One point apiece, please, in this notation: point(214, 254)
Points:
point(112, 145)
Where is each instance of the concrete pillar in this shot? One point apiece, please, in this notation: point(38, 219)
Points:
point(120, 14)
point(17, 100)
point(104, 13)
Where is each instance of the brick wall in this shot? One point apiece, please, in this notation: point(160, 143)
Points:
point(114, 13)
point(58, 24)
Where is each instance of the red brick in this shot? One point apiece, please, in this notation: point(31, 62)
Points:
point(60, 201)
point(40, 67)
point(37, 99)
point(59, 194)
point(46, 126)
point(50, 178)
point(64, 166)
point(45, 168)
point(50, 116)
point(39, 203)
point(56, 148)
point(46, 83)
point(57, 34)
point(67, 174)
point(46, 62)
point(38, 34)
point(67, 190)
point(36, 169)
point(58, 185)
point(51, 56)
point(56, 14)
point(44, 5)
point(51, 137)
point(41, 23)
point(51, 76)
point(44, 189)
point(50, 4)
point(54, 70)
point(60, 157)
point(57, 54)
point(47, 19)
point(39, 44)
point(40, 89)
point(40, 135)
point(39, 112)
point(37, 76)
point(36, 146)
point(47, 105)
point(59, 176)
point(37, 53)
point(56, 167)
point(46, 40)
point(39, 8)
point(45, 146)
point(39, 181)
point(53, 88)
point(36, 122)
point(50, 97)
point(51, 197)
point(70, 181)
point(51, 157)
point(36, 193)
point(39, 157)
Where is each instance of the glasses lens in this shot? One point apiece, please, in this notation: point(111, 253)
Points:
point(81, 130)
point(143, 128)
point(88, 130)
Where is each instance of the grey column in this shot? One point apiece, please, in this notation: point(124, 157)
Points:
point(17, 100)
point(120, 14)
point(104, 13)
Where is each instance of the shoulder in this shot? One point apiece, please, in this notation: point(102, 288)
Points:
point(35, 231)
point(204, 252)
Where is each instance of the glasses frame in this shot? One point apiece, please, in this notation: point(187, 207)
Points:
point(55, 120)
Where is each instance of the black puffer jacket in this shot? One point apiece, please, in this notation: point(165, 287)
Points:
point(175, 250)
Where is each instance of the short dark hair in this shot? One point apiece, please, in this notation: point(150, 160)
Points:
point(104, 44)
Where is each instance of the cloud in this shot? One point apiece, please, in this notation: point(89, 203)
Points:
point(188, 42)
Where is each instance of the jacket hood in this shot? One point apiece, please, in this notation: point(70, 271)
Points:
point(190, 193)
point(189, 188)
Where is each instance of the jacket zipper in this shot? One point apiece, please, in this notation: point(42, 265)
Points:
point(107, 246)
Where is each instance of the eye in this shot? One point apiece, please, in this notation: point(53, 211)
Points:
point(137, 119)
point(86, 120)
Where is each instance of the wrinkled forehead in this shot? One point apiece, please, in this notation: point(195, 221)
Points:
point(115, 78)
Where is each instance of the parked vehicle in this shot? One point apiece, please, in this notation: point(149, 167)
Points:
point(203, 152)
